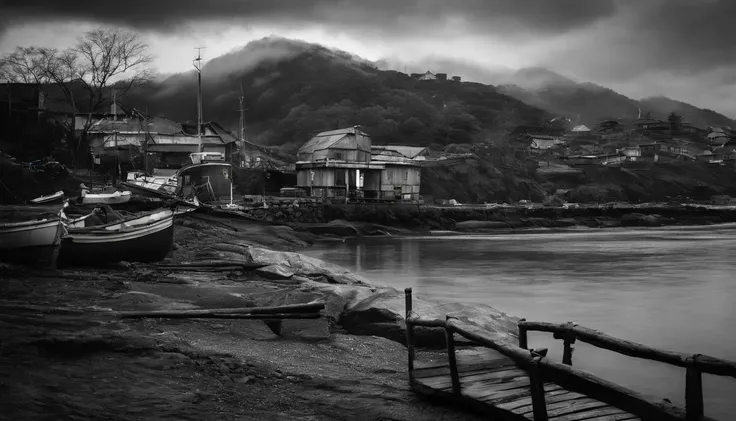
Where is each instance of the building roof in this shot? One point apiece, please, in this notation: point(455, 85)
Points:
point(581, 128)
point(410, 152)
point(326, 139)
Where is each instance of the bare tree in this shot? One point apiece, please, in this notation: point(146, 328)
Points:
point(84, 74)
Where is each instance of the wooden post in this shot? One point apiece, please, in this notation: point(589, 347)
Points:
point(522, 336)
point(569, 338)
point(409, 330)
point(454, 375)
point(539, 404)
point(693, 391)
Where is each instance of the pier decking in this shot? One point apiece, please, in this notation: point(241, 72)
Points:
point(509, 382)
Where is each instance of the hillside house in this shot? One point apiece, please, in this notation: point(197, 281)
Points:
point(631, 153)
point(342, 164)
point(441, 76)
point(543, 142)
point(650, 124)
point(428, 76)
point(407, 152)
point(608, 127)
point(580, 131)
point(650, 149)
point(718, 137)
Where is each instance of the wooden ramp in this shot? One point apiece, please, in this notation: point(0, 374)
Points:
point(494, 384)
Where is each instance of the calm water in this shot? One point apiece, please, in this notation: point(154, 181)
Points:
point(671, 288)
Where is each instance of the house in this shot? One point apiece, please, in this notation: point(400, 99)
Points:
point(650, 149)
point(543, 142)
point(608, 126)
point(441, 76)
point(428, 76)
point(630, 152)
point(342, 164)
point(580, 131)
point(718, 137)
point(149, 142)
point(646, 124)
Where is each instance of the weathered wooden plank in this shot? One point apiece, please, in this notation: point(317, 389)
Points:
point(590, 415)
point(464, 371)
point(489, 377)
point(557, 406)
point(580, 406)
point(560, 395)
point(508, 396)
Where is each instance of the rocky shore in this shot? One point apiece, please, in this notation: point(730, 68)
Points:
point(64, 355)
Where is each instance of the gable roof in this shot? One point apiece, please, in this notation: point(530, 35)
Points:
point(410, 152)
point(326, 139)
point(581, 128)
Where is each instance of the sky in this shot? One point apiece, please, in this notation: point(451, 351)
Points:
point(682, 49)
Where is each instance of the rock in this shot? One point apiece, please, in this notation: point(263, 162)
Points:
point(474, 225)
point(299, 264)
point(641, 220)
point(382, 314)
point(338, 227)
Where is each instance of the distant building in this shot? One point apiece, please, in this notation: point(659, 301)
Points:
point(428, 76)
point(416, 75)
point(441, 76)
point(581, 131)
point(456, 78)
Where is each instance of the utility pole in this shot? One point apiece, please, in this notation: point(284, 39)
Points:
point(198, 65)
point(243, 135)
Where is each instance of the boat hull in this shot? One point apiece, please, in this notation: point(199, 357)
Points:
point(150, 242)
point(31, 242)
point(55, 198)
point(106, 199)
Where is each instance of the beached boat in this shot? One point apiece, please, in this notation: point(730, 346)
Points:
point(115, 197)
point(49, 199)
point(30, 234)
point(147, 237)
point(161, 185)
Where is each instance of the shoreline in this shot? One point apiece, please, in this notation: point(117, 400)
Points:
point(350, 364)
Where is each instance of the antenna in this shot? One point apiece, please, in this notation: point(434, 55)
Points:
point(197, 62)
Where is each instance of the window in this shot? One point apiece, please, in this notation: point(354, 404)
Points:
point(338, 155)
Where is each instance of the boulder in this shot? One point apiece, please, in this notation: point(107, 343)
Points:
point(290, 264)
point(382, 314)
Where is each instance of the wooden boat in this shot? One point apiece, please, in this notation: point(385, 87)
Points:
point(30, 234)
point(49, 199)
point(142, 238)
point(106, 198)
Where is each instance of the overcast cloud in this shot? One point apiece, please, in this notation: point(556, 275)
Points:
point(683, 49)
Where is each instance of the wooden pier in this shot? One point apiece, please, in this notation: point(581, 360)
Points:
point(510, 382)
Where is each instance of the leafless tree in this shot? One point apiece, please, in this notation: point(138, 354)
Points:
point(103, 58)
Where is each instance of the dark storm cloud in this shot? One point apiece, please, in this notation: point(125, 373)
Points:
point(388, 16)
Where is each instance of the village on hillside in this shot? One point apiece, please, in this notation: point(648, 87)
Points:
point(619, 142)
point(337, 165)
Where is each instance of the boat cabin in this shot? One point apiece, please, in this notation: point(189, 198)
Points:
point(208, 178)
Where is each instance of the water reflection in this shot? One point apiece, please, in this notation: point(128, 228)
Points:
point(673, 288)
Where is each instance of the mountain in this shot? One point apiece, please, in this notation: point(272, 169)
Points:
point(660, 107)
point(588, 103)
point(294, 89)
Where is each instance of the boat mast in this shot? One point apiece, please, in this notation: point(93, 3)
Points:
point(198, 65)
point(243, 135)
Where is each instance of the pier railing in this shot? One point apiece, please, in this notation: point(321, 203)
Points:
point(541, 369)
point(695, 364)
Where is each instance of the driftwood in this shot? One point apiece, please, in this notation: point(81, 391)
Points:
point(266, 312)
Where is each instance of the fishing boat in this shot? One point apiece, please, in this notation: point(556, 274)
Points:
point(207, 180)
point(162, 185)
point(30, 234)
point(49, 199)
point(115, 197)
point(146, 237)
